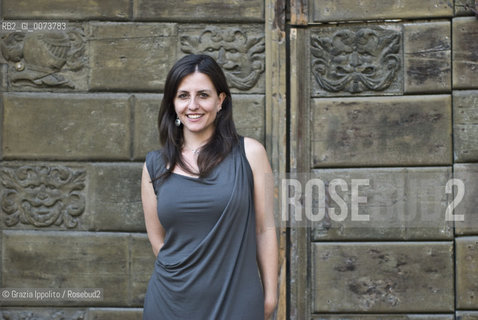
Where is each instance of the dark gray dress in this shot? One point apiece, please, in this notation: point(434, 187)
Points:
point(207, 266)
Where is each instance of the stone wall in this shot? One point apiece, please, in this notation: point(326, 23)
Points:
point(384, 91)
point(78, 112)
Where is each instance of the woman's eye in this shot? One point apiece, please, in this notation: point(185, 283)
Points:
point(204, 95)
point(182, 96)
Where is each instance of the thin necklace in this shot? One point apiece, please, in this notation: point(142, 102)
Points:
point(194, 151)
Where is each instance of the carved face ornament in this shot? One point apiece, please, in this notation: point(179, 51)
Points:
point(355, 61)
point(241, 57)
point(42, 196)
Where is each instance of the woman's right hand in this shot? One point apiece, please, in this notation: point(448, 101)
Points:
point(269, 307)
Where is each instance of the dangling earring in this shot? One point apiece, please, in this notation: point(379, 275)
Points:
point(177, 122)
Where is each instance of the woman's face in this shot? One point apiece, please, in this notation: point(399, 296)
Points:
point(197, 103)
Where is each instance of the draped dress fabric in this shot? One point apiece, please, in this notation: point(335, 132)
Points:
point(207, 266)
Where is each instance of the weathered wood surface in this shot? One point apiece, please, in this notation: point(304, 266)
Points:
point(299, 155)
point(465, 125)
point(466, 315)
point(385, 317)
point(465, 53)
point(400, 204)
point(427, 57)
point(276, 124)
point(467, 273)
point(200, 10)
point(381, 131)
point(344, 10)
point(467, 207)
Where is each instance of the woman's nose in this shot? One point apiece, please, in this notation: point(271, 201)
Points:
point(193, 103)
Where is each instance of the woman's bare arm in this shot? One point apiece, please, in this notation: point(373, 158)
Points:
point(267, 247)
point(153, 227)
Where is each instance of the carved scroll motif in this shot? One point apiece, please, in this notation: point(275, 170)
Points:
point(355, 61)
point(42, 196)
point(37, 58)
point(241, 56)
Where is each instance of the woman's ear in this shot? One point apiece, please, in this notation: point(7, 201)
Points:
point(222, 96)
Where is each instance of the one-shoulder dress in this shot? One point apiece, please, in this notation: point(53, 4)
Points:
point(207, 267)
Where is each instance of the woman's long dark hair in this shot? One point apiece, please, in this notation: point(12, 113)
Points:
point(171, 137)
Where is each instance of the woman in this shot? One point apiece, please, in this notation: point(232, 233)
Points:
point(206, 205)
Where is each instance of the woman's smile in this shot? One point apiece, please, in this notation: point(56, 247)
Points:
point(194, 116)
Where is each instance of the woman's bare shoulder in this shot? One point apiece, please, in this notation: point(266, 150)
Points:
point(253, 147)
point(255, 152)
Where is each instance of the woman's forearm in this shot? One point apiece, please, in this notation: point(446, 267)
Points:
point(268, 260)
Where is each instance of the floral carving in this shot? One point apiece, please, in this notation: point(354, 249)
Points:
point(240, 55)
point(356, 60)
point(37, 58)
point(42, 195)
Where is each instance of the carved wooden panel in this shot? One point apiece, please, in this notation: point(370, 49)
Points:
point(356, 60)
point(42, 195)
point(239, 50)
